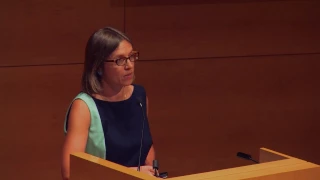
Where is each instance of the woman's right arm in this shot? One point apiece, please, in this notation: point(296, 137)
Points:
point(76, 137)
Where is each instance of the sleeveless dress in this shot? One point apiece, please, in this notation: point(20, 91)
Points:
point(116, 127)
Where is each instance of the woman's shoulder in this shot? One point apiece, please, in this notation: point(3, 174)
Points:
point(83, 98)
point(82, 94)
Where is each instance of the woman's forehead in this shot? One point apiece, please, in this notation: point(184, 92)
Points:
point(124, 49)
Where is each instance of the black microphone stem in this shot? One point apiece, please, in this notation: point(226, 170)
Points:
point(139, 164)
point(254, 161)
point(246, 156)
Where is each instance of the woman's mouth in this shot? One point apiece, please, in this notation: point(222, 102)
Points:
point(128, 76)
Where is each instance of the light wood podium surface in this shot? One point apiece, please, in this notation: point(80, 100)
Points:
point(273, 166)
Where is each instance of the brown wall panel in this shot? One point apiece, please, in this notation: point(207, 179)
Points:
point(33, 104)
point(203, 111)
point(52, 32)
point(180, 30)
point(190, 2)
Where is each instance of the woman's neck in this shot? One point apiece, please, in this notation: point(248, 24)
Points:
point(113, 93)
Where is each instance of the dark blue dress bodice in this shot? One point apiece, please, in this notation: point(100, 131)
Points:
point(122, 126)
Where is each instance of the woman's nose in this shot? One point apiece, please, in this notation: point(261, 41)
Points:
point(129, 64)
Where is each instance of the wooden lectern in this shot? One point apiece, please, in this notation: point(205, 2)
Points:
point(273, 165)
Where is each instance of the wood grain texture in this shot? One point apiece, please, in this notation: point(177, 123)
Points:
point(272, 170)
point(307, 174)
point(34, 101)
point(202, 112)
point(267, 155)
point(176, 31)
point(52, 32)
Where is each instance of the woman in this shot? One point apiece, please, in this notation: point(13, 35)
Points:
point(106, 118)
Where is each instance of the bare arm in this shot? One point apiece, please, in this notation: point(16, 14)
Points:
point(151, 156)
point(76, 138)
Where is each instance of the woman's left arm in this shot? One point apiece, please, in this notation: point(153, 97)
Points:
point(151, 156)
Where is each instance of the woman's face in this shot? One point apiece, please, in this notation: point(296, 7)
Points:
point(120, 74)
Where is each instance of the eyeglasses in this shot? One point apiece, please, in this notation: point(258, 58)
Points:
point(123, 61)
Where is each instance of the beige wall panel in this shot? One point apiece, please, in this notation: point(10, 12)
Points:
point(176, 29)
point(202, 112)
point(33, 105)
point(52, 32)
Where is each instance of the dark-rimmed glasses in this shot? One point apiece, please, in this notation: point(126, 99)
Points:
point(123, 61)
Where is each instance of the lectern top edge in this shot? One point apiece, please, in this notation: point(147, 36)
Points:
point(112, 166)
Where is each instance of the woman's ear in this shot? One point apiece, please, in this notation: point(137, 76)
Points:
point(99, 72)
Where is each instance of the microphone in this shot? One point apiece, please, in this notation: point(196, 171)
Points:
point(246, 156)
point(155, 166)
point(140, 104)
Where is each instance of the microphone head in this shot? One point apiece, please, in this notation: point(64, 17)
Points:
point(244, 155)
point(139, 101)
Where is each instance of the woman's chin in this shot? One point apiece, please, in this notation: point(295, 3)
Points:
point(126, 83)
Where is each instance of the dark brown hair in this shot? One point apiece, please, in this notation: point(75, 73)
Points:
point(100, 46)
